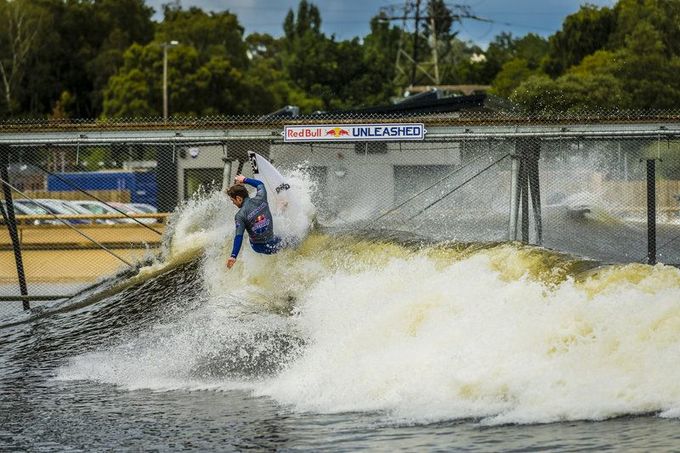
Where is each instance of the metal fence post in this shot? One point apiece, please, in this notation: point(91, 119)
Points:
point(534, 154)
point(514, 197)
point(166, 175)
point(651, 211)
point(10, 219)
point(524, 193)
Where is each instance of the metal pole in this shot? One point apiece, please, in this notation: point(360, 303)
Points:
point(165, 77)
point(535, 190)
point(415, 44)
point(226, 170)
point(165, 82)
point(10, 219)
point(514, 206)
point(522, 193)
point(651, 211)
point(435, 57)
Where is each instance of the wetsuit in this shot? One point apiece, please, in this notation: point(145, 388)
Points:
point(256, 218)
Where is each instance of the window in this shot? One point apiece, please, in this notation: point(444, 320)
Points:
point(196, 178)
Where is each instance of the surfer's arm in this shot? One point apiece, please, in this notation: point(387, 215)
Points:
point(259, 186)
point(238, 241)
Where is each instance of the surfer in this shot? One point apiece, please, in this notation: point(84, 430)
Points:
point(254, 217)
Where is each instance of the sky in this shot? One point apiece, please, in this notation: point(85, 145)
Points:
point(350, 18)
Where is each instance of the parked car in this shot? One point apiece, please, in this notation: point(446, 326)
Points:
point(144, 207)
point(22, 210)
point(37, 207)
point(97, 207)
point(51, 206)
point(127, 208)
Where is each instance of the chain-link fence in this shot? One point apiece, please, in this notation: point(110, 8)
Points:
point(92, 198)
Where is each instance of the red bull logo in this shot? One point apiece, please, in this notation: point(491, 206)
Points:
point(354, 132)
point(337, 132)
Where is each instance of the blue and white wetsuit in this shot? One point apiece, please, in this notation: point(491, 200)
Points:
point(256, 218)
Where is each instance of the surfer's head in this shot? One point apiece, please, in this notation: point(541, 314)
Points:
point(238, 193)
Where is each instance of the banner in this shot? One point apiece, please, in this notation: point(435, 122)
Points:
point(354, 132)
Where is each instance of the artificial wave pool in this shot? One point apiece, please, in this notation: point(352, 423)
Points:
point(351, 341)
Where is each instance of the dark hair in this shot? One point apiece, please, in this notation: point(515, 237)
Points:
point(238, 190)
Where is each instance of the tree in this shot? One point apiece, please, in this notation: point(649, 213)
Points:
point(21, 23)
point(511, 75)
point(662, 15)
point(211, 34)
point(648, 74)
point(582, 33)
point(76, 46)
point(570, 93)
point(375, 85)
point(202, 77)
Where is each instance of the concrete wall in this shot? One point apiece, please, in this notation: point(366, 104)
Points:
point(357, 180)
point(207, 157)
point(358, 183)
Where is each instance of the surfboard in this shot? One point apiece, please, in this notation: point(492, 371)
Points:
point(292, 218)
point(278, 190)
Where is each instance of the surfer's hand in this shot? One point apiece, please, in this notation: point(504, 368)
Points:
point(239, 179)
point(230, 262)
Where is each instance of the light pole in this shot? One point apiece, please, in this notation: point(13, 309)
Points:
point(165, 77)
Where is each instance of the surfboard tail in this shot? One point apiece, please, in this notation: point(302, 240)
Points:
point(252, 157)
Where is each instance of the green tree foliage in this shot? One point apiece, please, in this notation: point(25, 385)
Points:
point(582, 34)
point(208, 72)
point(82, 58)
point(338, 75)
point(380, 47)
point(633, 63)
point(662, 15)
point(211, 34)
point(21, 24)
point(266, 69)
point(71, 47)
point(570, 93)
point(511, 75)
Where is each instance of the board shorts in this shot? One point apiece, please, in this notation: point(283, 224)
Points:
point(268, 248)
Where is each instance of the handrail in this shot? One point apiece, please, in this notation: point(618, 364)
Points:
point(64, 222)
point(29, 218)
point(19, 298)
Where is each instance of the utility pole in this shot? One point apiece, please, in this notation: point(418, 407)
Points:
point(165, 77)
point(415, 44)
point(433, 30)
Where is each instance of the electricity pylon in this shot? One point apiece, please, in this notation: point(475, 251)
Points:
point(409, 66)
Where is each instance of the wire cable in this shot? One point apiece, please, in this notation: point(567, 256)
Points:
point(429, 187)
point(73, 186)
point(458, 187)
point(103, 247)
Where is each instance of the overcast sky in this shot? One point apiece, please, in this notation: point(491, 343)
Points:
point(349, 18)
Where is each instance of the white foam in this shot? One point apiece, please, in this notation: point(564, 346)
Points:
point(425, 344)
point(414, 334)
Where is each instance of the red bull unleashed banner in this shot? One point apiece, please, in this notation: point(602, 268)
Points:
point(354, 132)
